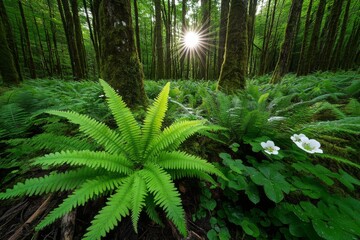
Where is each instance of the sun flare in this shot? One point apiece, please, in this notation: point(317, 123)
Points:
point(191, 39)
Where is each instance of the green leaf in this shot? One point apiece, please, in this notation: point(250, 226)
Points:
point(250, 228)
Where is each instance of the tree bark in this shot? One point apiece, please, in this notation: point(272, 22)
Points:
point(137, 29)
point(330, 35)
point(168, 33)
point(300, 67)
point(120, 65)
point(251, 31)
point(335, 59)
point(159, 73)
point(224, 13)
point(7, 64)
point(287, 46)
point(10, 38)
point(54, 39)
point(28, 43)
point(233, 70)
point(313, 46)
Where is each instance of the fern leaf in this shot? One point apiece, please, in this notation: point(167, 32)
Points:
point(100, 132)
point(179, 173)
point(50, 183)
point(138, 193)
point(180, 160)
point(54, 142)
point(95, 160)
point(150, 208)
point(172, 136)
point(166, 196)
point(80, 196)
point(339, 159)
point(116, 208)
point(125, 120)
point(154, 117)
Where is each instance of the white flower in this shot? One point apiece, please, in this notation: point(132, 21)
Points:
point(297, 138)
point(309, 145)
point(269, 147)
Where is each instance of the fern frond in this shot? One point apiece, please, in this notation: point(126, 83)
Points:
point(80, 196)
point(339, 159)
point(111, 140)
point(138, 193)
point(180, 160)
point(50, 141)
point(154, 117)
point(125, 120)
point(166, 196)
point(116, 208)
point(95, 160)
point(172, 136)
point(50, 183)
point(179, 173)
point(150, 208)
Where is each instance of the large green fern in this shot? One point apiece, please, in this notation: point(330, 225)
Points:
point(137, 166)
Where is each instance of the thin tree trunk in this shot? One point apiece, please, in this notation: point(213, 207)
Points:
point(54, 39)
point(183, 30)
point(251, 31)
point(137, 30)
point(224, 13)
point(205, 21)
point(335, 59)
point(300, 68)
point(353, 43)
point(287, 46)
point(28, 43)
point(167, 23)
point(331, 32)
point(159, 73)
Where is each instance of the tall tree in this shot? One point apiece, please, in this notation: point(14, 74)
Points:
point(234, 67)
point(183, 30)
point(224, 14)
point(251, 29)
point(137, 29)
point(58, 67)
point(312, 49)
point(167, 20)
point(31, 63)
point(287, 46)
point(10, 38)
point(301, 68)
point(7, 64)
point(335, 58)
point(205, 23)
point(120, 65)
point(159, 73)
point(331, 28)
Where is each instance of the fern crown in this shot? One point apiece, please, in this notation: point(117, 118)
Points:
point(137, 166)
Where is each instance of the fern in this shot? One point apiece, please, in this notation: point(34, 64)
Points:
point(137, 163)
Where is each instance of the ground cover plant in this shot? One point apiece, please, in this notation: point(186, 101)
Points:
point(283, 161)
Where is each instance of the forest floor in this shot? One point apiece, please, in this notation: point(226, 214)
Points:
point(323, 105)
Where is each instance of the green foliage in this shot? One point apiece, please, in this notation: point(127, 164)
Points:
point(137, 163)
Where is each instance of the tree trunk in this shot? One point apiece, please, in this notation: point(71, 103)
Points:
point(335, 59)
point(7, 64)
point(301, 63)
point(222, 33)
point(28, 44)
point(287, 46)
point(120, 65)
point(251, 31)
point(54, 39)
point(353, 43)
point(233, 70)
point(167, 20)
point(205, 21)
point(137, 29)
point(10, 38)
point(159, 73)
point(313, 45)
point(331, 28)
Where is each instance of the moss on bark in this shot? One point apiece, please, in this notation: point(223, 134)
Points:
point(234, 67)
point(119, 62)
point(7, 65)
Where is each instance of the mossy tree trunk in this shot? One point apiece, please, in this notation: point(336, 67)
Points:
point(287, 46)
point(31, 63)
point(224, 13)
point(301, 63)
point(137, 29)
point(313, 45)
point(7, 64)
point(159, 73)
point(10, 38)
point(335, 59)
point(120, 65)
point(331, 29)
point(234, 67)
